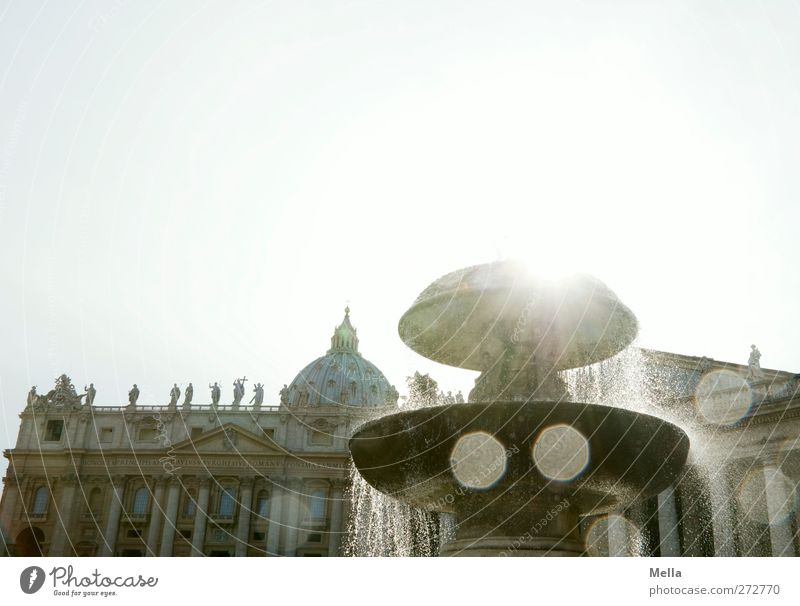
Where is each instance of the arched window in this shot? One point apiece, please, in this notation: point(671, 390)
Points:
point(262, 504)
point(227, 501)
point(40, 501)
point(140, 499)
point(353, 388)
point(318, 504)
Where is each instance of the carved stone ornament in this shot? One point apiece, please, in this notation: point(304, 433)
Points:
point(230, 438)
point(62, 396)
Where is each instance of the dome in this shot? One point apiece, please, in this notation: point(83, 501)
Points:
point(342, 376)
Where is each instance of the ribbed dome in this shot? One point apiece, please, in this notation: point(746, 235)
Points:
point(342, 376)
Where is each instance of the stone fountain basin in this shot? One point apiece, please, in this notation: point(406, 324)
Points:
point(466, 319)
point(407, 455)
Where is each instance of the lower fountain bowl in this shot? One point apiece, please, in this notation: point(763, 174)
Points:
point(505, 467)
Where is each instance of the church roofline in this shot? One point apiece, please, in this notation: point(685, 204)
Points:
point(687, 361)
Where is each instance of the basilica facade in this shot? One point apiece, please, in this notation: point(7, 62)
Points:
point(192, 480)
point(263, 479)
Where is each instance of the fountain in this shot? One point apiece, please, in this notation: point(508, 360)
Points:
point(518, 465)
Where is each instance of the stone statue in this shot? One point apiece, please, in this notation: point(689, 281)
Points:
point(284, 394)
point(238, 391)
point(188, 395)
point(174, 395)
point(754, 363)
point(33, 397)
point(258, 399)
point(133, 395)
point(91, 392)
point(449, 399)
point(216, 392)
point(459, 397)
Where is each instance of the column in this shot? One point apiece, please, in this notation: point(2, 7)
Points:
point(245, 510)
point(693, 494)
point(292, 515)
point(155, 517)
point(201, 518)
point(779, 506)
point(112, 526)
point(8, 506)
point(669, 541)
point(797, 512)
point(171, 515)
point(64, 511)
point(722, 516)
point(336, 529)
point(80, 432)
point(276, 498)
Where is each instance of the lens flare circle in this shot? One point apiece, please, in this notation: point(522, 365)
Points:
point(613, 536)
point(478, 460)
point(767, 496)
point(723, 397)
point(561, 453)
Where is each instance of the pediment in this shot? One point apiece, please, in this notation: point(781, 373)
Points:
point(229, 438)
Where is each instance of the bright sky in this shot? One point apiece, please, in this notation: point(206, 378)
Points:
point(193, 191)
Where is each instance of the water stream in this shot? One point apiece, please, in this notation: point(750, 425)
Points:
point(382, 526)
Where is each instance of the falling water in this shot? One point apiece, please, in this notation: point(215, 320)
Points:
point(632, 381)
point(380, 525)
point(383, 526)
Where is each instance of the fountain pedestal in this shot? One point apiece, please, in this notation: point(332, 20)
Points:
point(515, 526)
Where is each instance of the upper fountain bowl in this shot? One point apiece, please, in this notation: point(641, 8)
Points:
point(471, 317)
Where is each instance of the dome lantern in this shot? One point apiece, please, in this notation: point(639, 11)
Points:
point(345, 336)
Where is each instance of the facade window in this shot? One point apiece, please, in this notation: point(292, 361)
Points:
point(40, 498)
point(196, 432)
point(262, 504)
point(320, 438)
point(318, 504)
point(220, 535)
point(140, 499)
point(227, 502)
point(147, 434)
point(353, 388)
point(53, 431)
point(106, 435)
point(132, 553)
point(189, 505)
